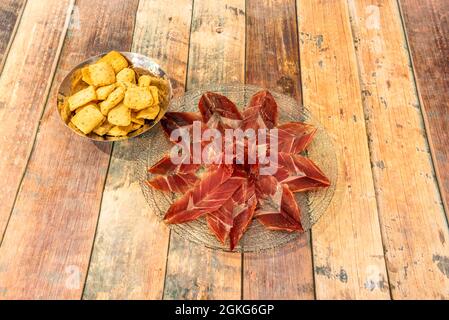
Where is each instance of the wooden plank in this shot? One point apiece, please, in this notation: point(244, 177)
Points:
point(130, 252)
point(216, 54)
point(414, 227)
point(273, 62)
point(427, 30)
point(47, 246)
point(24, 84)
point(347, 246)
point(10, 14)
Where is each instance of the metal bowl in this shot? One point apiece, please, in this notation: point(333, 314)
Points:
point(142, 65)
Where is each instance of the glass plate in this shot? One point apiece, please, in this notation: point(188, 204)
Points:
point(313, 204)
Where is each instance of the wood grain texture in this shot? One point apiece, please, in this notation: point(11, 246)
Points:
point(47, 246)
point(10, 14)
point(427, 30)
point(36, 47)
point(347, 246)
point(217, 55)
point(273, 62)
point(130, 252)
point(413, 225)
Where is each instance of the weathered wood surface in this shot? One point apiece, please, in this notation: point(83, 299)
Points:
point(217, 55)
point(46, 249)
point(10, 14)
point(413, 223)
point(130, 252)
point(385, 238)
point(23, 94)
point(347, 246)
point(272, 61)
point(427, 29)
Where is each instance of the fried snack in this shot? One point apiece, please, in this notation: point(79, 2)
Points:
point(65, 110)
point(77, 82)
point(104, 92)
point(155, 94)
point(118, 131)
point(88, 119)
point(120, 116)
point(126, 76)
point(85, 75)
point(82, 97)
point(135, 126)
point(103, 128)
point(138, 98)
point(101, 74)
point(113, 99)
point(86, 105)
point(144, 81)
point(135, 120)
point(149, 113)
point(161, 83)
point(116, 60)
point(74, 128)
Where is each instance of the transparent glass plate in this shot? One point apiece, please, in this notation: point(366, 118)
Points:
point(313, 204)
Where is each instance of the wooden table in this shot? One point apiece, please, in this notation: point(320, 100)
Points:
point(74, 223)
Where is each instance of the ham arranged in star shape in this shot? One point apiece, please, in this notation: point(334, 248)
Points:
point(230, 196)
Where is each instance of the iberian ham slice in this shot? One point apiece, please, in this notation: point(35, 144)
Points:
point(214, 189)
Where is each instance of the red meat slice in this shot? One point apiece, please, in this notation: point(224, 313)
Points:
point(166, 165)
point(214, 189)
point(289, 216)
point(179, 177)
point(294, 137)
point(262, 112)
point(178, 182)
point(176, 120)
point(234, 217)
point(222, 220)
point(219, 112)
point(243, 219)
point(299, 173)
point(269, 195)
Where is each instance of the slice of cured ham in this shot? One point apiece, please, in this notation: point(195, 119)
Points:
point(173, 177)
point(178, 183)
point(219, 112)
point(176, 120)
point(294, 137)
point(234, 217)
point(288, 218)
point(243, 217)
point(261, 112)
point(214, 189)
point(299, 173)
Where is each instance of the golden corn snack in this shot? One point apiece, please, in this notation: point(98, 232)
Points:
point(116, 60)
point(113, 99)
point(138, 98)
point(144, 81)
point(101, 74)
point(120, 116)
point(82, 97)
point(88, 119)
point(103, 128)
point(127, 75)
point(104, 92)
point(149, 113)
point(118, 131)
